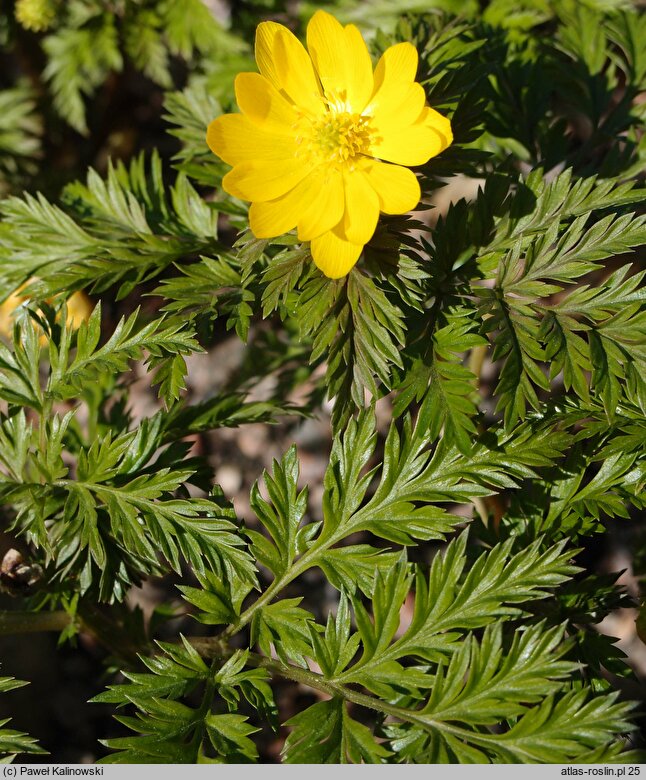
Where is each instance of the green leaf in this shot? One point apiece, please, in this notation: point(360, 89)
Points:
point(172, 674)
point(336, 647)
point(171, 731)
point(79, 60)
point(487, 682)
point(229, 735)
point(447, 604)
point(119, 230)
point(233, 680)
point(326, 734)
point(281, 516)
point(283, 626)
point(144, 44)
point(13, 742)
point(190, 113)
point(574, 725)
point(356, 566)
point(359, 328)
point(159, 340)
point(20, 136)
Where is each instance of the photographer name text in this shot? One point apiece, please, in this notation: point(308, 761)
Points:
point(60, 771)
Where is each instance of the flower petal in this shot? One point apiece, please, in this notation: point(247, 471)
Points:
point(440, 124)
point(7, 311)
point(398, 64)
point(79, 308)
point(361, 208)
point(358, 69)
point(296, 73)
point(417, 143)
point(325, 209)
point(275, 217)
point(235, 138)
point(342, 62)
point(397, 188)
point(264, 179)
point(261, 102)
point(334, 254)
point(264, 50)
point(283, 60)
point(397, 99)
point(396, 105)
point(316, 205)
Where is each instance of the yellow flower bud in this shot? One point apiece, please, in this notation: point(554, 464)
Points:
point(79, 308)
point(35, 15)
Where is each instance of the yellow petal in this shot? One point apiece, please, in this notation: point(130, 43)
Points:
point(440, 124)
point(263, 179)
point(361, 208)
point(334, 254)
point(261, 102)
point(7, 309)
point(79, 308)
point(296, 73)
point(415, 144)
point(397, 100)
point(283, 60)
point(396, 105)
point(275, 217)
point(342, 62)
point(325, 210)
point(264, 50)
point(397, 188)
point(397, 64)
point(235, 138)
point(358, 69)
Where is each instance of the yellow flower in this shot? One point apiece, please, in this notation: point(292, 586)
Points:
point(321, 142)
point(35, 15)
point(79, 308)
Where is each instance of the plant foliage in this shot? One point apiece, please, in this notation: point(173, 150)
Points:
point(483, 369)
point(13, 742)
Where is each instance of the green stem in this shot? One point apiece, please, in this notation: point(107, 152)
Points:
point(15, 622)
point(306, 561)
point(301, 565)
point(109, 633)
point(42, 423)
point(476, 361)
point(336, 690)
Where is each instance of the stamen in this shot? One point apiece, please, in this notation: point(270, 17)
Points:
point(335, 138)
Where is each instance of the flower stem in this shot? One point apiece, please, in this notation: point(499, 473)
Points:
point(16, 622)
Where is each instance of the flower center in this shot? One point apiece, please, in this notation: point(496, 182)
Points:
point(337, 137)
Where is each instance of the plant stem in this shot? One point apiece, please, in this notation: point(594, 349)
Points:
point(89, 619)
point(303, 563)
point(335, 690)
point(15, 622)
point(476, 361)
